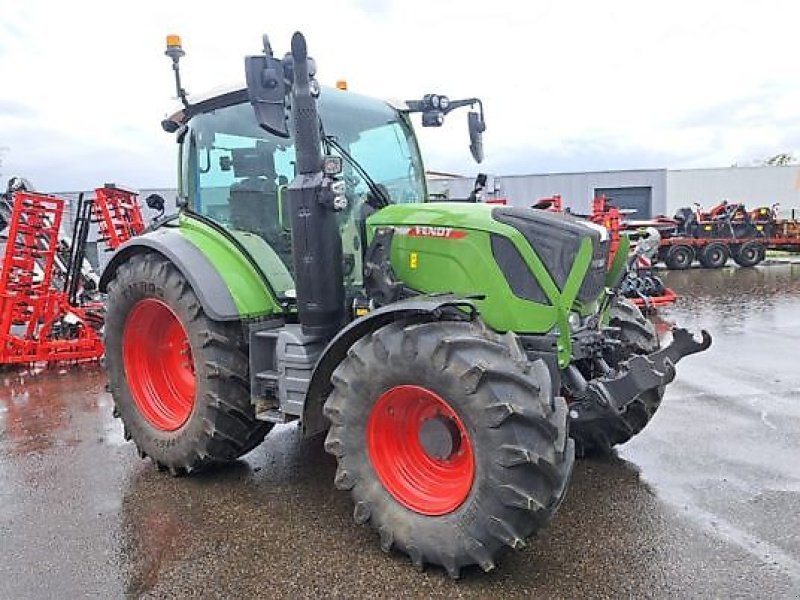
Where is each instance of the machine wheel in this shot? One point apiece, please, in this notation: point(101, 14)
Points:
point(638, 336)
point(750, 254)
point(451, 442)
point(714, 256)
point(179, 380)
point(679, 258)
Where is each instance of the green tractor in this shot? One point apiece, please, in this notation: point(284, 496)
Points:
point(458, 355)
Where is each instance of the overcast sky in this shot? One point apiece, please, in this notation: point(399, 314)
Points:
point(567, 85)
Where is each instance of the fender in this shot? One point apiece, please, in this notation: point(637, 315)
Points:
point(437, 307)
point(211, 290)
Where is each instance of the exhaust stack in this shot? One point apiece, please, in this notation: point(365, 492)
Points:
point(316, 242)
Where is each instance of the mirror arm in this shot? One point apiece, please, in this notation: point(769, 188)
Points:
point(454, 104)
point(415, 106)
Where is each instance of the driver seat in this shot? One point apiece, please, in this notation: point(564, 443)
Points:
point(254, 200)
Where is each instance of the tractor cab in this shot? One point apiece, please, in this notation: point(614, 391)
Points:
point(237, 174)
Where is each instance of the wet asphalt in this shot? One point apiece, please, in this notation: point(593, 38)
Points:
point(705, 503)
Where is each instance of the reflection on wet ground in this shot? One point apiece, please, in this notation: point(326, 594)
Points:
point(703, 504)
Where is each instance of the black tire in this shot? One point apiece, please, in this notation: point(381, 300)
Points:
point(516, 427)
point(750, 254)
point(679, 258)
point(714, 256)
point(222, 425)
point(638, 336)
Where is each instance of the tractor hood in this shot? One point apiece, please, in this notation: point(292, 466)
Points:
point(554, 237)
point(510, 256)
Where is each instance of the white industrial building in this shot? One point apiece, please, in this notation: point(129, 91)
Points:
point(650, 192)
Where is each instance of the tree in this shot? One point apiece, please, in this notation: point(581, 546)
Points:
point(781, 160)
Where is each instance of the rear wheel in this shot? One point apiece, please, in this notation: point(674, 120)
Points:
point(451, 442)
point(750, 254)
point(714, 256)
point(179, 380)
point(638, 336)
point(679, 257)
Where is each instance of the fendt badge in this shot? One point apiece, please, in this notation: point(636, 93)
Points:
point(431, 231)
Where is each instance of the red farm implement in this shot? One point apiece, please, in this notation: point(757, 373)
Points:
point(118, 215)
point(37, 321)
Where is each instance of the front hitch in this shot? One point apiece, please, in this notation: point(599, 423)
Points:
point(642, 372)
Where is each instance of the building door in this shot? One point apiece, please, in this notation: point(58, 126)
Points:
point(637, 199)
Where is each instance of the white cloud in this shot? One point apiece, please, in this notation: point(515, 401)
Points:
point(566, 85)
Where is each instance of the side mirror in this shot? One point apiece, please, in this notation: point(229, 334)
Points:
point(267, 89)
point(155, 202)
point(476, 128)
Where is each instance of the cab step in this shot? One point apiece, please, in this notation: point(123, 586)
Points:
point(274, 415)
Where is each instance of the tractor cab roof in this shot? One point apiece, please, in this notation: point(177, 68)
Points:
point(228, 95)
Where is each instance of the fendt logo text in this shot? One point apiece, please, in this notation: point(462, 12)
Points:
point(431, 231)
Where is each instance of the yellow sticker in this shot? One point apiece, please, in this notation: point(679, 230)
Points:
point(412, 260)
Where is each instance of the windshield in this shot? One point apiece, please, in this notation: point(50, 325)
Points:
point(237, 174)
point(377, 139)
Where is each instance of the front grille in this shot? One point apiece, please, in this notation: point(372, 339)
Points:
point(556, 239)
point(596, 275)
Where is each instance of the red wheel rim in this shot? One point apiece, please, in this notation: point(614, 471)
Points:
point(430, 484)
point(158, 364)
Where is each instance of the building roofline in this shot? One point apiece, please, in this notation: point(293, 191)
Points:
point(736, 167)
point(608, 171)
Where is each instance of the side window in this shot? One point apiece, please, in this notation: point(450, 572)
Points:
point(240, 181)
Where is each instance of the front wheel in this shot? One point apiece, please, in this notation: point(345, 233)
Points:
point(452, 444)
point(179, 380)
point(636, 335)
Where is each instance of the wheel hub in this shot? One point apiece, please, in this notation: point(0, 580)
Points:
point(158, 363)
point(440, 437)
point(420, 450)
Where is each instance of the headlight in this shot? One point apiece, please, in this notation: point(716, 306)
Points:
point(574, 321)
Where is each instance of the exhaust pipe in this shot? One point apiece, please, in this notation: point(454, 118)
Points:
point(316, 242)
point(272, 86)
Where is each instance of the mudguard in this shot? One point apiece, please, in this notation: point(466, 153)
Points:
point(206, 282)
point(426, 307)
